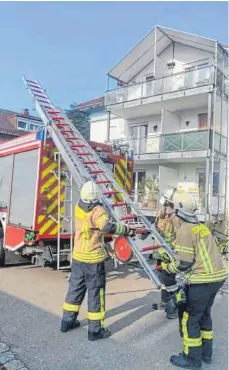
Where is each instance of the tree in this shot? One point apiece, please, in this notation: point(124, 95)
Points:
point(80, 119)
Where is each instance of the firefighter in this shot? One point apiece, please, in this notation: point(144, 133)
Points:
point(199, 259)
point(88, 271)
point(166, 223)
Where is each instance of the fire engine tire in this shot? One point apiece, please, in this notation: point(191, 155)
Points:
point(123, 250)
point(2, 254)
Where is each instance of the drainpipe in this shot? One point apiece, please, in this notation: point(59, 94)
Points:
point(108, 126)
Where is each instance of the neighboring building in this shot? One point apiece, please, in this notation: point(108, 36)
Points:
point(171, 106)
point(14, 124)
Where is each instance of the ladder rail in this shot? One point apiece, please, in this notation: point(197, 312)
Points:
point(127, 198)
point(54, 119)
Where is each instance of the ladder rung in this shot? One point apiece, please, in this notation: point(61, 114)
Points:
point(43, 101)
point(150, 248)
point(60, 125)
point(77, 146)
point(84, 153)
point(53, 111)
point(110, 192)
point(47, 107)
point(141, 231)
point(67, 132)
point(70, 138)
point(40, 96)
point(93, 172)
point(34, 85)
point(37, 90)
point(103, 181)
point(130, 217)
point(32, 82)
point(119, 204)
point(88, 162)
point(58, 118)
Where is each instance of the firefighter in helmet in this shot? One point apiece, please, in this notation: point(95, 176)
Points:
point(88, 271)
point(200, 261)
point(166, 223)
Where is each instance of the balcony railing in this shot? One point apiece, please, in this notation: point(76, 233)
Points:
point(181, 141)
point(164, 85)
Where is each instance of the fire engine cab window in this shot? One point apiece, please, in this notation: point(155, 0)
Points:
point(22, 125)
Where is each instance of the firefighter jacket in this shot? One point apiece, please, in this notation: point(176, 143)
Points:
point(167, 227)
point(91, 223)
point(198, 255)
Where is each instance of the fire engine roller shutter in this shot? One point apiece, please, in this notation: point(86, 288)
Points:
point(5, 177)
point(24, 188)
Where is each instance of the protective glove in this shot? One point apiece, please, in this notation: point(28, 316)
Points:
point(177, 300)
point(130, 232)
point(163, 254)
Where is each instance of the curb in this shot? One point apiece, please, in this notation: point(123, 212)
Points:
point(8, 360)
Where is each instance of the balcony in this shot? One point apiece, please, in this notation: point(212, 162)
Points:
point(188, 83)
point(191, 141)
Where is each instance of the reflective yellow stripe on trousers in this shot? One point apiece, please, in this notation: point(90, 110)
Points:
point(208, 335)
point(98, 316)
point(188, 342)
point(71, 307)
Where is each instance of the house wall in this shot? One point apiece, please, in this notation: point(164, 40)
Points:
point(98, 131)
point(182, 55)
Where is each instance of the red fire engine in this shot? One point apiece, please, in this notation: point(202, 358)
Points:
point(37, 193)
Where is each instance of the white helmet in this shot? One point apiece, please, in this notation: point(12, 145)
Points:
point(89, 192)
point(183, 202)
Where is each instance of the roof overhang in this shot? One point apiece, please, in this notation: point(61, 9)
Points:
point(152, 45)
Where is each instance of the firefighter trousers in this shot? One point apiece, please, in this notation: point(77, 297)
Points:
point(196, 322)
point(86, 277)
point(169, 285)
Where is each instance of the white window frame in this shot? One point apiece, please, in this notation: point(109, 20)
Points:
point(20, 128)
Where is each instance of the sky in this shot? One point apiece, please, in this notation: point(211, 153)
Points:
point(70, 46)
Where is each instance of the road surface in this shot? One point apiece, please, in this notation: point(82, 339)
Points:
point(31, 303)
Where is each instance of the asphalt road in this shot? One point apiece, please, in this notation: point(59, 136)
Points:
point(30, 310)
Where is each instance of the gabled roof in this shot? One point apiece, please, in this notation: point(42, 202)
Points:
point(5, 125)
point(144, 52)
point(98, 102)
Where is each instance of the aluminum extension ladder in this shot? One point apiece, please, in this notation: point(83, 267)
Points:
point(84, 163)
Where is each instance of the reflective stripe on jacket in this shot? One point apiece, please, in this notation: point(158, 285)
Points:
point(196, 248)
point(91, 223)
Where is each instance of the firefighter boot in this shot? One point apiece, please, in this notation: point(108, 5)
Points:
point(182, 362)
point(172, 316)
point(69, 322)
point(101, 334)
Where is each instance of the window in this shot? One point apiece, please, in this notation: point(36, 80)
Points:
point(33, 127)
point(202, 182)
point(138, 176)
point(22, 125)
point(215, 189)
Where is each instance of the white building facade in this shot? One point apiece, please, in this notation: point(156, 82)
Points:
point(171, 107)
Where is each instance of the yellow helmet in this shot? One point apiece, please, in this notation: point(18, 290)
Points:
point(183, 202)
point(89, 192)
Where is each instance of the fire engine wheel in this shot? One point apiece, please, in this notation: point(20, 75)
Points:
point(123, 250)
point(2, 255)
